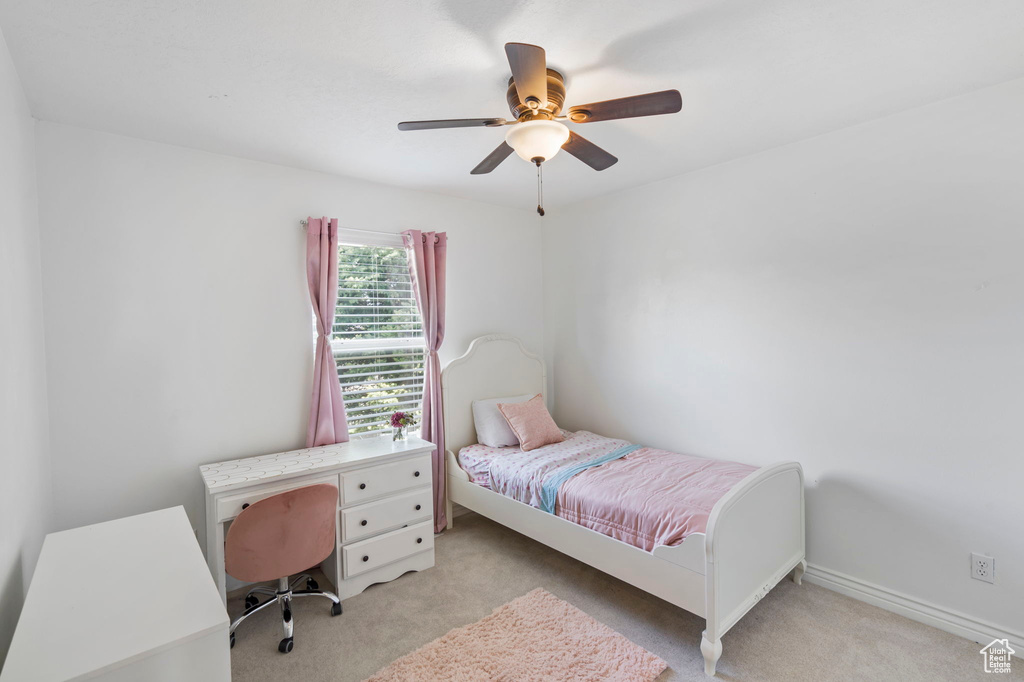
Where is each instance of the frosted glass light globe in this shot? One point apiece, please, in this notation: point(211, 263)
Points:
point(533, 139)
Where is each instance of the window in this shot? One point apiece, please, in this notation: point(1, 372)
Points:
point(378, 336)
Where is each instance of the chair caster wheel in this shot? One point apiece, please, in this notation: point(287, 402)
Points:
point(336, 609)
point(285, 647)
point(251, 601)
point(232, 640)
point(312, 584)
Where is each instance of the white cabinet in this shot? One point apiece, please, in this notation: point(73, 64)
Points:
point(385, 502)
point(85, 617)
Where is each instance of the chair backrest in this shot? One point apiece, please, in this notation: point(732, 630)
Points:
point(282, 535)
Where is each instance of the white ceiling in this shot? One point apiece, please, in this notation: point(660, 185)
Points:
point(320, 84)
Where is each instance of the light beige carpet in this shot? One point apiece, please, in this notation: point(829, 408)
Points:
point(796, 633)
point(534, 638)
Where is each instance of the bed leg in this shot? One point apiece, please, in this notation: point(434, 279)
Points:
point(798, 572)
point(448, 512)
point(712, 652)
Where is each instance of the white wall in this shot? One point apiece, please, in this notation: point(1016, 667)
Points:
point(855, 302)
point(24, 458)
point(179, 316)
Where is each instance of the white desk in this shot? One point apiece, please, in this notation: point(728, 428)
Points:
point(86, 617)
point(385, 505)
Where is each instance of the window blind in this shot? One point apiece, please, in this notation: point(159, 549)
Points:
point(378, 338)
point(375, 299)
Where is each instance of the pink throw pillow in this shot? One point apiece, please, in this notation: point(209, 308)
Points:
point(531, 422)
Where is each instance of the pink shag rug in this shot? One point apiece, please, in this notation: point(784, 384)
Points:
point(535, 637)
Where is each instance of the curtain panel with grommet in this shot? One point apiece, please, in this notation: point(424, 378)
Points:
point(327, 420)
point(427, 262)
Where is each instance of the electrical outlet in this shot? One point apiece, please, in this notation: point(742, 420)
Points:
point(983, 568)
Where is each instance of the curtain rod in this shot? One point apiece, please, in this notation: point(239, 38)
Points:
point(304, 223)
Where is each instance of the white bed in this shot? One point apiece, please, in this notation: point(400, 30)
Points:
point(754, 537)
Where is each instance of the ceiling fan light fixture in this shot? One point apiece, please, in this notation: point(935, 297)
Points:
point(537, 139)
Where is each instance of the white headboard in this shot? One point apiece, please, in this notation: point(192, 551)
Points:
point(495, 366)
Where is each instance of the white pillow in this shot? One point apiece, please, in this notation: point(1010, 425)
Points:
point(491, 428)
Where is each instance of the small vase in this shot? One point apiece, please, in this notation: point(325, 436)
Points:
point(399, 433)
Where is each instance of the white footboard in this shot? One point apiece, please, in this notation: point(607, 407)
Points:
point(755, 536)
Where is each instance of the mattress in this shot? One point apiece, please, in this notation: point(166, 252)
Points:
point(642, 496)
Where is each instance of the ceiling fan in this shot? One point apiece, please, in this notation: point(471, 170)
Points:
point(535, 96)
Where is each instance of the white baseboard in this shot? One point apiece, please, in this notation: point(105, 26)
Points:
point(914, 609)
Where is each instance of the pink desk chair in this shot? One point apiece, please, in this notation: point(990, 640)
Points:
point(276, 538)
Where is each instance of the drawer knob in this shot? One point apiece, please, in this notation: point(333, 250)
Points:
point(366, 558)
point(419, 540)
point(363, 522)
point(245, 506)
point(418, 507)
point(416, 474)
point(362, 486)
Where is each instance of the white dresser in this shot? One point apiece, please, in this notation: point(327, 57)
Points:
point(85, 616)
point(385, 505)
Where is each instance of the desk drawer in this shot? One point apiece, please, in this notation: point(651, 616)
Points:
point(373, 482)
point(367, 555)
point(229, 507)
point(391, 512)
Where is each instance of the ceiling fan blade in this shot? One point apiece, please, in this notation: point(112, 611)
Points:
point(529, 71)
point(651, 104)
point(492, 160)
point(451, 123)
point(588, 152)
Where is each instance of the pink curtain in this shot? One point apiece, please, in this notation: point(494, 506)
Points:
point(327, 421)
point(427, 257)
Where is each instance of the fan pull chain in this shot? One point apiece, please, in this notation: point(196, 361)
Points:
point(540, 189)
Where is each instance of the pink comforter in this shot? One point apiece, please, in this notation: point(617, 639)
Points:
point(647, 498)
